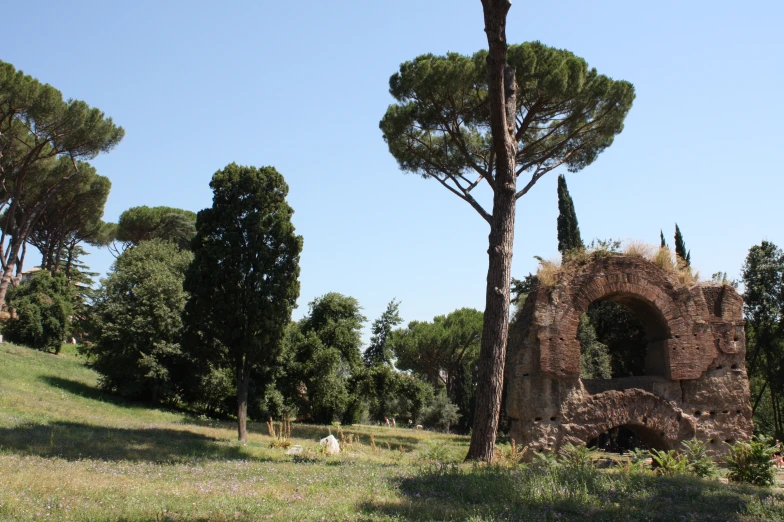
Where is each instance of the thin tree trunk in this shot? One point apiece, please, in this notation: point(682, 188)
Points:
point(759, 398)
point(502, 101)
point(243, 382)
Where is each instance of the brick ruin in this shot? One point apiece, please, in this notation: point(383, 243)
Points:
point(695, 383)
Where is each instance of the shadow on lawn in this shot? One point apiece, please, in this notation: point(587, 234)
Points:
point(89, 392)
point(497, 494)
point(73, 441)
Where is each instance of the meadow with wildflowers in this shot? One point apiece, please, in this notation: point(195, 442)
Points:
point(68, 451)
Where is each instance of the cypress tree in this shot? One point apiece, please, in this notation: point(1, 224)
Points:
point(663, 242)
point(680, 246)
point(568, 229)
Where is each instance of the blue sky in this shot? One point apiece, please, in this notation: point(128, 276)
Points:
point(302, 86)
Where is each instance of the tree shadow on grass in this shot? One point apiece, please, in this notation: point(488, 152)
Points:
point(529, 495)
point(74, 441)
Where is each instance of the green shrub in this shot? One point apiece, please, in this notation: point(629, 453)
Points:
point(669, 463)
point(576, 457)
point(43, 306)
point(751, 462)
point(441, 413)
point(138, 317)
point(699, 462)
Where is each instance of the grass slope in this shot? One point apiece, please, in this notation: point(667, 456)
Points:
point(70, 452)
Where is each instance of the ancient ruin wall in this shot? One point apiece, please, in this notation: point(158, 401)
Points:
point(696, 355)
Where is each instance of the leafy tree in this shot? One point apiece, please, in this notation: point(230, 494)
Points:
point(680, 246)
point(621, 332)
point(595, 357)
point(327, 358)
point(73, 216)
point(42, 306)
point(441, 413)
point(464, 393)
point(435, 350)
point(379, 351)
point(243, 280)
point(43, 138)
point(522, 287)
point(138, 322)
point(143, 223)
point(568, 228)
point(413, 397)
point(513, 110)
point(763, 306)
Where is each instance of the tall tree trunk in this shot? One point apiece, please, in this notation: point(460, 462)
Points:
point(502, 99)
point(243, 382)
point(8, 273)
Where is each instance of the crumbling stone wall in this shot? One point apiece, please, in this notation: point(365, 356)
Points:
point(696, 384)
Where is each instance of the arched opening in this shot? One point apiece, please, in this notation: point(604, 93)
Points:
point(622, 439)
point(623, 336)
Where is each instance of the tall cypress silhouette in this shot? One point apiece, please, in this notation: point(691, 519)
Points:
point(680, 246)
point(568, 229)
point(663, 242)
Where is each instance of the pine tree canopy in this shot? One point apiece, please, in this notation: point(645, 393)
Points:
point(567, 114)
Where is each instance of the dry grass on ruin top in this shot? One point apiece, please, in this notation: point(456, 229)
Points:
point(550, 272)
point(70, 452)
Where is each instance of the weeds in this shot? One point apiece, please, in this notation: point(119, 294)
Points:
point(280, 436)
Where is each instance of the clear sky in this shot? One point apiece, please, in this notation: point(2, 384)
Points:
point(302, 86)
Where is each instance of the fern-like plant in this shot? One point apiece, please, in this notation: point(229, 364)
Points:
point(751, 462)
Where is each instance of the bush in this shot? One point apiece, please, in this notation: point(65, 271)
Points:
point(138, 315)
point(751, 462)
point(699, 462)
point(576, 457)
point(43, 306)
point(441, 413)
point(669, 463)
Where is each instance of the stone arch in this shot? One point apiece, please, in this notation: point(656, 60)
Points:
point(654, 418)
point(700, 386)
point(656, 299)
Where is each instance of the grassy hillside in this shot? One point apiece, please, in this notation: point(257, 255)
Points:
point(70, 452)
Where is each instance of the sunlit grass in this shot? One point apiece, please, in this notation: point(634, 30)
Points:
point(71, 452)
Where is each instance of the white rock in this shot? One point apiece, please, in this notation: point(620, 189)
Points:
point(331, 443)
point(295, 450)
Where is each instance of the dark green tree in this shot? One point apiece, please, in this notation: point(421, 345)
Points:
point(763, 305)
point(680, 246)
point(445, 353)
point(379, 351)
point(663, 242)
point(519, 110)
point(568, 229)
point(595, 357)
point(138, 322)
point(326, 347)
point(42, 307)
point(43, 138)
point(143, 223)
point(243, 280)
point(435, 350)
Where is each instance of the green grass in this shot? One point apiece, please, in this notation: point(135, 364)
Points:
point(71, 452)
